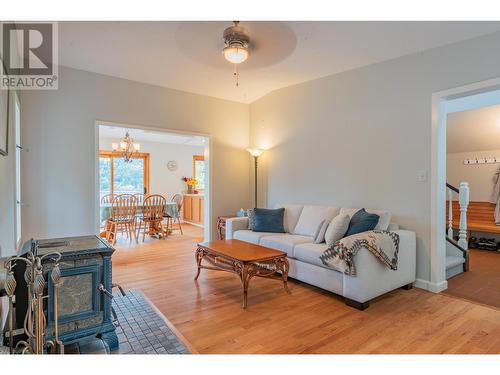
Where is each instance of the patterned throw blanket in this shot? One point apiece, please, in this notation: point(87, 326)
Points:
point(384, 245)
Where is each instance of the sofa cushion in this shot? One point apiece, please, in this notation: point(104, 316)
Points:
point(310, 253)
point(384, 216)
point(284, 242)
point(292, 214)
point(362, 221)
point(250, 236)
point(311, 217)
point(320, 235)
point(337, 229)
point(268, 220)
point(249, 214)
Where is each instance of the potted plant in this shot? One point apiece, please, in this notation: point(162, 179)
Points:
point(191, 184)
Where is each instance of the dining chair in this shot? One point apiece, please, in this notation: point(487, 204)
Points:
point(153, 209)
point(140, 201)
point(123, 209)
point(177, 198)
point(140, 198)
point(106, 200)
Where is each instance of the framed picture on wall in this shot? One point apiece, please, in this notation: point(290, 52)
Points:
point(4, 115)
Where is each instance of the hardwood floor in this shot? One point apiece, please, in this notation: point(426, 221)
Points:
point(482, 282)
point(208, 312)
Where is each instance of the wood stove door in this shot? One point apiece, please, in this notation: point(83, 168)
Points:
point(79, 298)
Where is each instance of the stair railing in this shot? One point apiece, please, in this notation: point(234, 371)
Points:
point(463, 201)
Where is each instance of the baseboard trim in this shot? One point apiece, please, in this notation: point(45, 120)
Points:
point(430, 286)
point(193, 224)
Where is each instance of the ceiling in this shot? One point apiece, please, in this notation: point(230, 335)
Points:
point(474, 130)
point(142, 135)
point(187, 55)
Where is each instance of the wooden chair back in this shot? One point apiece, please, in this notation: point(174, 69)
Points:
point(123, 208)
point(177, 198)
point(153, 207)
point(107, 199)
point(140, 199)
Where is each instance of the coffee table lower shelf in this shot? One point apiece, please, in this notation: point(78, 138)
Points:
point(245, 269)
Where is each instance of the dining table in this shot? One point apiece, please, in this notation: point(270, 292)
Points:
point(171, 209)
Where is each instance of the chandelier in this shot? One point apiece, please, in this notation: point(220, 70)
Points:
point(127, 147)
point(236, 40)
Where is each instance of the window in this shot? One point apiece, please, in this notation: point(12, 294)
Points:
point(199, 171)
point(17, 129)
point(119, 177)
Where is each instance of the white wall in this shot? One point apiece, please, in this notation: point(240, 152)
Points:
point(7, 189)
point(479, 176)
point(8, 181)
point(7, 195)
point(359, 138)
point(162, 181)
point(59, 129)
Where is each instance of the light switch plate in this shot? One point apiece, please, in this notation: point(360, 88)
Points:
point(422, 176)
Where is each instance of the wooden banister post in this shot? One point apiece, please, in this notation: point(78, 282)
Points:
point(450, 213)
point(463, 200)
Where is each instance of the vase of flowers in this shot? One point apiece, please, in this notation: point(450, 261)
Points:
point(191, 184)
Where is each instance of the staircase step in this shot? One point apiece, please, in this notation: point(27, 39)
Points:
point(454, 260)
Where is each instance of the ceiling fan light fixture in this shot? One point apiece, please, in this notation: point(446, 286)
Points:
point(235, 54)
point(237, 39)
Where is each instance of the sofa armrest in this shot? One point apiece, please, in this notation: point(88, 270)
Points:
point(374, 278)
point(235, 223)
point(393, 227)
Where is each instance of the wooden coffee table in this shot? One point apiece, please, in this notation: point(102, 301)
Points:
point(244, 259)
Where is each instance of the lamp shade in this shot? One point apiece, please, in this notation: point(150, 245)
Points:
point(255, 152)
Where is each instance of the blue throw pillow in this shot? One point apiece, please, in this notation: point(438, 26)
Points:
point(268, 220)
point(361, 221)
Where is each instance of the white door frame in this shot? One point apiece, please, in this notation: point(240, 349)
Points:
point(440, 99)
point(207, 233)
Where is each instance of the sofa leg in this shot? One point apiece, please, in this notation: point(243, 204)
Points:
point(407, 286)
point(357, 305)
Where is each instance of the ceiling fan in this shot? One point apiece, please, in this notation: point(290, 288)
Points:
point(236, 51)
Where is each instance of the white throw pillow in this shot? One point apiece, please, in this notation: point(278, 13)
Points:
point(320, 236)
point(337, 228)
point(292, 214)
point(311, 218)
point(383, 220)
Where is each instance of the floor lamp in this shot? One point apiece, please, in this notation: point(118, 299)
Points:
point(255, 152)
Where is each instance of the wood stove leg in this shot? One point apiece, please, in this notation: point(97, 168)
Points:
point(111, 339)
point(357, 305)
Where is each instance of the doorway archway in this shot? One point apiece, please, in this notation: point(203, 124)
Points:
point(461, 98)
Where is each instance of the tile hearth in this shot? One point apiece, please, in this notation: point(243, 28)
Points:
point(142, 330)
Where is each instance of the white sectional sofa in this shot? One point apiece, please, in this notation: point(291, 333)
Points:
point(301, 224)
